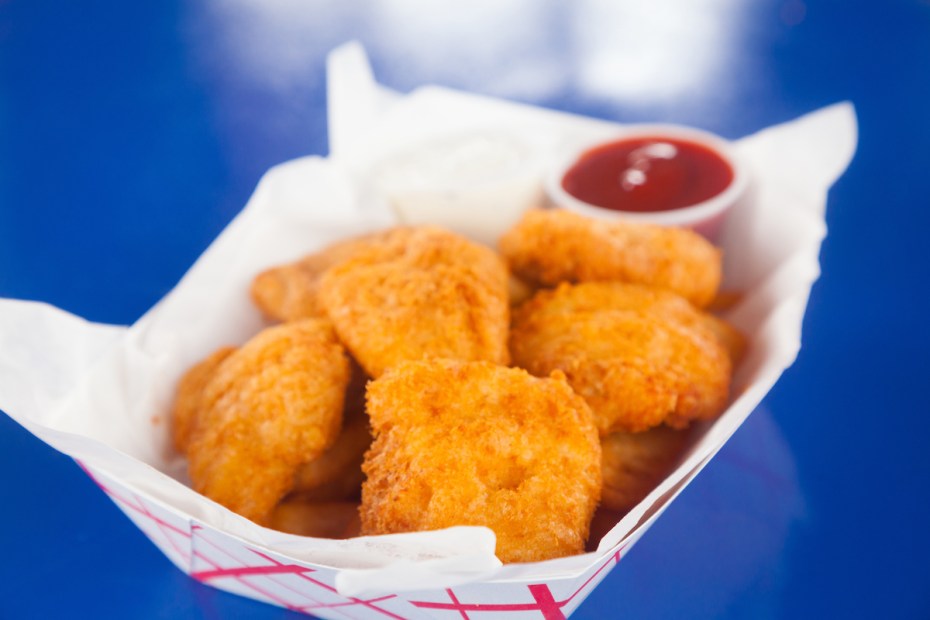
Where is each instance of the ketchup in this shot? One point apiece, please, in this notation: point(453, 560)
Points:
point(647, 174)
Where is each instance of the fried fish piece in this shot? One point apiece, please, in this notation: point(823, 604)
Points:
point(731, 338)
point(337, 473)
point(269, 407)
point(188, 395)
point(634, 463)
point(639, 358)
point(290, 292)
point(549, 246)
point(595, 297)
point(423, 294)
point(473, 443)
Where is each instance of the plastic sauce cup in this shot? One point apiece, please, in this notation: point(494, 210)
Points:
point(669, 175)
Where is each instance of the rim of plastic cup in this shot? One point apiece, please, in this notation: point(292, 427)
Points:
point(688, 216)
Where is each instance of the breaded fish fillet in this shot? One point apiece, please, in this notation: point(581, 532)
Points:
point(550, 246)
point(473, 443)
point(337, 473)
point(634, 463)
point(289, 292)
point(189, 393)
point(269, 407)
point(595, 297)
point(638, 358)
point(426, 293)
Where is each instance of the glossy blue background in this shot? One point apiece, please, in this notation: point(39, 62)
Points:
point(131, 133)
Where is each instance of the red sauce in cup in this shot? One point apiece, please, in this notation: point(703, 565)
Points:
point(646, 174)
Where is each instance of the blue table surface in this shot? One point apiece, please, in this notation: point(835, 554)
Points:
point(131, 133)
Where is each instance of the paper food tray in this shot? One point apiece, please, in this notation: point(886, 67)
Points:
point(100, 393)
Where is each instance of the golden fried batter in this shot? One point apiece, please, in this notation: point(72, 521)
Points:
point(337, 473)
point(594, 297)
point(318, 519)
point(638, 357)
point(419, 293)
point(289, 292)
point(270, 407)
point(472, 443)
point(551, 246)
point(731, 338)
point(634, 463)
point(187, 398)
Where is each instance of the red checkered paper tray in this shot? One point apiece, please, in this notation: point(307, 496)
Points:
point(100, 393)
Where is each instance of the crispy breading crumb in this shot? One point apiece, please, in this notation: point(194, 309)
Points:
point(420, 293)
point(549, 246)
point(638, 356)
point(271, 406)
point(473, 443)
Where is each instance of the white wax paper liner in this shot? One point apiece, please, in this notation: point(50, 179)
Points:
point(100, 393)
